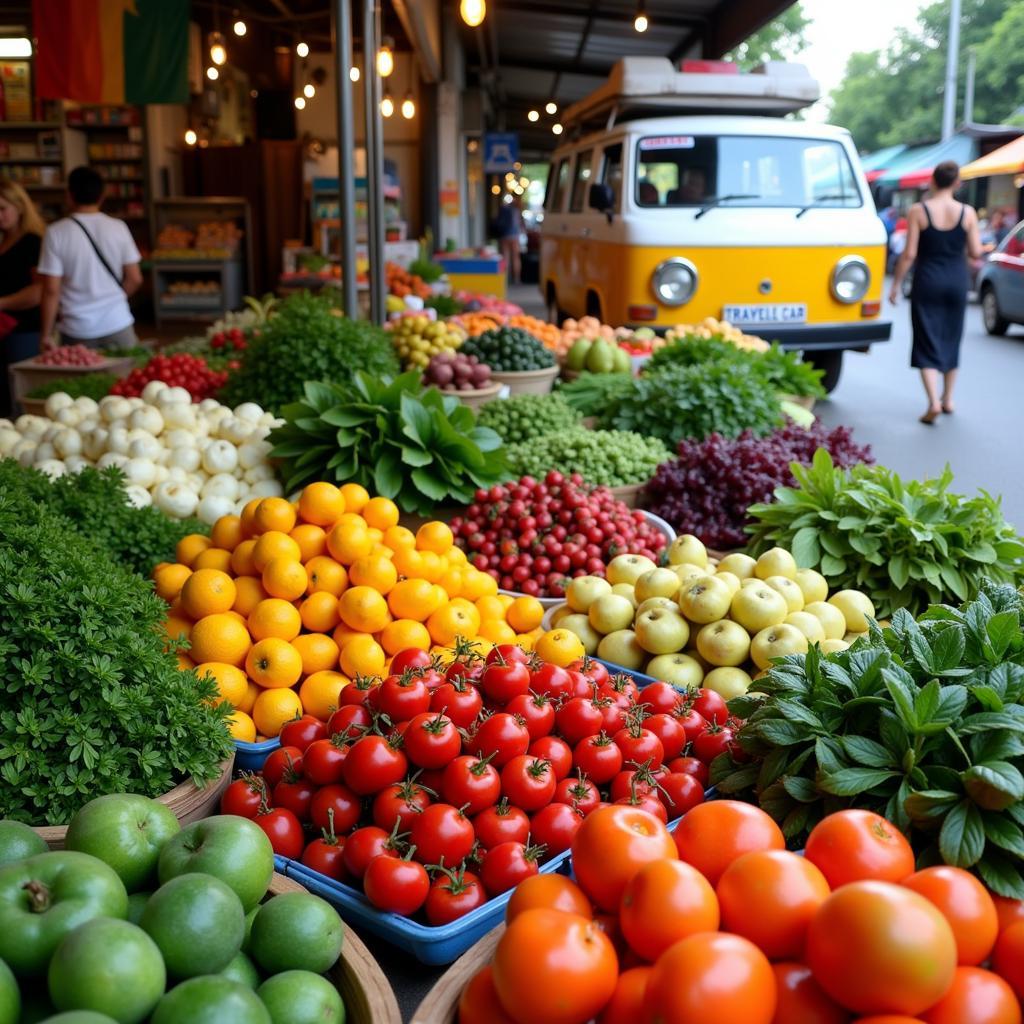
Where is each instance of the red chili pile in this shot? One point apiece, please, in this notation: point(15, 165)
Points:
point(70, 355)
point(181, 370)
point(535, 535)
point(231, 339)
point(438, 791)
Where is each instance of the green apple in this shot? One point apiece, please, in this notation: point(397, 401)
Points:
point(211, 999)
point(661, 631)
point(808, 624)
point(580, 625)
point(692, 652)
point(813, 585)
point(628, 568)
point(678, 669)
point(688, 572)
point(730, 579)
point(776, 642)
point(723, 643)
point(688, 548)
point(583, 591)
point(831, 618)
point(831, 646)
point(611, 612)
point(626, 590)
point(856, 608)
point(560, 612)
point(727, 682)
point(789, 590)
point(757, 607)
point(738, 564)
point(775, 562)
point(656, 602)
point(18, 840)
point(705, 600)
point(657, 583)
point(621, 648)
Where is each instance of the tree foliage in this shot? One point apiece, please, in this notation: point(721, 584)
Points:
point(783, 38)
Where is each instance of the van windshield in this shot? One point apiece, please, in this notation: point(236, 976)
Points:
point(743, 170)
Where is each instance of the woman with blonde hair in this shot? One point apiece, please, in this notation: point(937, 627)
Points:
point(21, 237)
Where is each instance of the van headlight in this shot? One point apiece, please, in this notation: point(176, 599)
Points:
point(851, 279)
point(674, 281)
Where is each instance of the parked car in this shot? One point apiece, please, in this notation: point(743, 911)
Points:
point(1001, 284)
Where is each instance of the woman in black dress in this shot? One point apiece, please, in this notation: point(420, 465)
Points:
point(941, 234)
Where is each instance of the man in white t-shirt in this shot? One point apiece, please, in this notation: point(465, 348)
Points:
point(88, 267)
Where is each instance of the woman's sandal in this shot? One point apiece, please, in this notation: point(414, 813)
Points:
point(931, 416)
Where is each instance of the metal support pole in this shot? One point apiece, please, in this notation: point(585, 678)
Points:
point(374, 160)
point(346, 154)
point(972, 60)
point(952, 66)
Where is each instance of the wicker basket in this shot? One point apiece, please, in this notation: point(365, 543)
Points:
point(475, 398)
point(441, 1005)
point(33, 406)
point(628, 494)
point(188, 802)
point(528, 382)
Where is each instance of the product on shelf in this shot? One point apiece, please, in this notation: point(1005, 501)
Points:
point(456, 371)
point(70, 355)
point(417, 339)
point(509, 350)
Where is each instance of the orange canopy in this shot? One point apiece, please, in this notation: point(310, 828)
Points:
point(1008, 159)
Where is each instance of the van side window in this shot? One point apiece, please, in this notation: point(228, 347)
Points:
point(556, 187)
point(581, 182)
point(611, 171)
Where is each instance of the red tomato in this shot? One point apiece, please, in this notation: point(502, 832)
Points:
point(671, 733)
point(679, 793)
point(528, 782)
point(471, 783)
point(715, 833)
point(712, 740)
point(555, 750)
point(404, 697)
point(691, 766)
point(323, 761)
point(432, 740)
point(362, 846)
point(551, 680)
point(479, 1004)
point(1009, 911)
point(506, 654)
point(400, 803)
point(965, 904)
point(501, 824)
point(554, 827)
point(578, 792)
point(325, 855)
point(692, 722)
point(503, 736)
point(621, 685)
point(507, 864)
point(442, 834)
point(853, 845)
point(536, 710)
point(553, 891)
point(711, 706)
point(598, 757)
point(975, 997)
point(660, 697)
point(396, 885)
point(1008, 957)
point(362, 690)
point(801, 1000)
point(453, 894)
point(302, 731)
point(337, 807)
point(597, 673)
point(410, 658)
point(244, 796)
point(577, 719)
point(459, 700)
point(502, 681)
point(296, 795)
point(640, 746)
point(373, 763)
point(350, 722)
point(284, 759)
point(284, 830)
point(627, 1002)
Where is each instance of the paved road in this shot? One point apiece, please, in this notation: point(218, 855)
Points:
point(880, 396)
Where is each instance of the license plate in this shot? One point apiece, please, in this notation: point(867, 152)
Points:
point(757, 314)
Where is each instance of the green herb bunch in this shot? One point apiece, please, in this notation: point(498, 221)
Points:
point(922, 722)
point(93, 703)
point(524, 417)
point(414, 445)
point(306, 340)
point(82, 385)
point(591, 393)
point(906, 544)
point(93, 502)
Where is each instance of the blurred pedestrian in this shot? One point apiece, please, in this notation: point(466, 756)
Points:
point(941, 233)
point(510, 230)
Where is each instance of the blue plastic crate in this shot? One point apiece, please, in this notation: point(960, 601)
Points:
point(249, 757)
point(619, 670)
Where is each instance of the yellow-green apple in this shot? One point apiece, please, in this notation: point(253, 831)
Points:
point(660, 631)
point(723, 643)
point(775, 562)
point(757, 607)
point(776, 642)
point(705, 600)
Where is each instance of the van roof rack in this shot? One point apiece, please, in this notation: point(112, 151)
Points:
point(646, 86)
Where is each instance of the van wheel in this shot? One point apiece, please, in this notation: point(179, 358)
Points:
point(994, 323)
point(831, 362)
point(556, 315)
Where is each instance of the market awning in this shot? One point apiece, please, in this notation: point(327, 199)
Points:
point(902, 164)
point(877, 163)
point(960, 148)
point(1008, 159)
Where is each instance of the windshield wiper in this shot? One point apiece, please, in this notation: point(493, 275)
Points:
point(718, 200)
point(825, 199)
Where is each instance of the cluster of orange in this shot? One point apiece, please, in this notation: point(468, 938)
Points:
point(547, 334)
point(401, 283)
point(476, 323)
point(287, 603)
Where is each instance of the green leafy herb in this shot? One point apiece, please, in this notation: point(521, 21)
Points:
point(87, 385)
point(523, 417)
point(590, 393)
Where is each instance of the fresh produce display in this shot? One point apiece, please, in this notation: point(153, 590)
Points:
point(411, 444)
point(521, 418)
point(719, 922)
point(193, 288)
point(139, 916)
point(417, 339)
point(476, 323)
point(70, 355)
point(456, 371)
point(180, 371)
point(640, 342)
point(708, 489)
point(534, 535)
point(82, 385)
point(547, 334)
point(591, 393)
point(710, 327)
point(597, 356)
point(476, 302)
point(275, 601)
point(920, 721)
point(188, 460)
point(444, 305)
point(306, 339)
point(509, 350)
point(613, 458)
point(402, 282)
point(906, 544)
point(232, 339)
point(694, 622)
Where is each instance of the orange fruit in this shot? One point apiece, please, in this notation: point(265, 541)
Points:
point(364, 609)
point(456, 556)
point(274, 514)
point(214, 558)
point(252, 691)
point(321, 503)
point(220, 637)
point(241, 727)
point(241, 559)
point(362, 656)
point(274, 545)
point(273, 663)
point(431, 566)
point(559, 647)
point(409, 563)
point(356, 497)
point(435, 536)
point(489, 607)
point(237, 616)
point(454, 620)
point(184, 662)
point(319, 612)
point(312, 540)
point(348, 541)
point(248, 517)
point(168, 580)
point(231, 682)
point(498, 631)
point(286, 578)
point(249, 593)
point(342, 634)
point(274, 708)
point(327, 575)
point(274, 617)
point(451, 581)
point(208, 592)
point(398, 537)
point(381, 513)
point(402, 633)
point(477, 584)
point(374, 571)
point(319, 693)
point(227, 532)
point(526, 641)
point(190, 547)
point(318, 652)
point(524, 614)
point(177, 626)
point(412, 599)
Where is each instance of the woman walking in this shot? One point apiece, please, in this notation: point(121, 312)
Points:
point(941, 233)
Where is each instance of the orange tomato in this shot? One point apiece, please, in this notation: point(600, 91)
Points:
point(714, 834)
point(800, 998)
point(853, 845)
point(274, 617)
point(312, 540)
point(1009, 911)
point(627, 1002)
point(273, 664)
point(1008, 958)
point(479, 1004)
point(975, 997)
point(321, 503)
point(965, 904)
point(325, 574)
point(555, 892)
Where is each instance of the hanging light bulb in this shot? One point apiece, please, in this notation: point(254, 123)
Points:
point(240, 27)
point(218, 51)
point(408, 106)
point(300, 102)
point(191, 138)
point(212, 74)
point(302, 49)
point(309, 90)
point(473, 12)
point(533, 115)
point(551, 107)
point(495, 190)
point(387, 105)
point(385, 59)
point(640, 22)
point(353, 74)
point(556, 129)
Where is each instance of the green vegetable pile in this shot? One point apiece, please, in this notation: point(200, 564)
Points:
point(414, 445)
point(614, 458)
point(87, 385)
point(590, 393)
point(522, 417)
point(93, 703)
point(906, 544)
point(306, 340)
point(445, 305)
point(922, 722)
point(509, 350)
point(93, 503)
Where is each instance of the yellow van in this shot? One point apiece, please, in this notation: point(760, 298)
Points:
point(683, 195)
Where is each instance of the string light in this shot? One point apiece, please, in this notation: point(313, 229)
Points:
point(240, 27)
point(218, 51)
point(387, 105)
point(408, 107)
point(640, 22)
point(551, 107)
point(191, 138)
point(308, 90)
point(533, 115)
point(473, 12)
point(495, 190)
point(212, 74)
point(302, 49)
point(353, 74)
point(385, 59)
point(556, 129)
point(300, 102)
